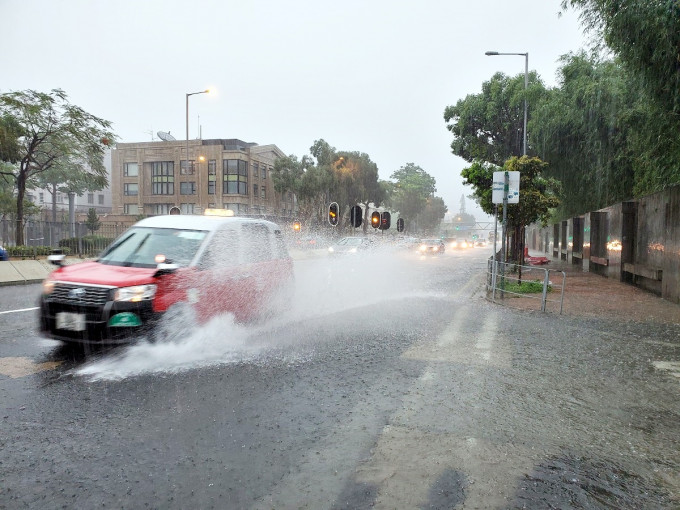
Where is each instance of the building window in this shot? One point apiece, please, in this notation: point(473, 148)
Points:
point(235, 177)
point(183, 167)
point(263, 172)
point(90, 198)
point(160, 208)
point(263, 192)
point(131, 209)
point(130, 189)
point(100, 199)
point(255, 189)
point(212, 177)
point(42, 197)
point(187, 188)
point(256, 170)
point(162, 177)
point(187, 208)
point(237, 208)
point(131, 170)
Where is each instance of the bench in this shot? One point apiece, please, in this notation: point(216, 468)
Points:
point(644, 271)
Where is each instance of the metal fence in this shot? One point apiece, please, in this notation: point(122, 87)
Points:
point(77, 237)
point(503, 281)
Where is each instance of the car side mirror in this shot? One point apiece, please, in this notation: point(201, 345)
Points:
point(57, 259)
point(164, 268)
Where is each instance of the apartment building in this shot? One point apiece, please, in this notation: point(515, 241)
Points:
point(150, 178)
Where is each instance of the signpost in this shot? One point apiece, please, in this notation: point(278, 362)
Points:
point(505, 190)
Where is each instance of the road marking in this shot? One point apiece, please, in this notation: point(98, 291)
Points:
point(21, 367)
point(20, 310)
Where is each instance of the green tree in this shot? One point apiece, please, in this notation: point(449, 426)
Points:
point(537, 198)
point(92, 220)
point(488, 126)
point(646, 37)
point(411, 190)
point(10, 132)
point(52, 129)
point(431, 216)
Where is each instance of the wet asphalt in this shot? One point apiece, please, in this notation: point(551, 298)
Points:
point(392, 383)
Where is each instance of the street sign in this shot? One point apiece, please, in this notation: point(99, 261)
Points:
point(498, 187)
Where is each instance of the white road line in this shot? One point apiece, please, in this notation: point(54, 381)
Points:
point(20, 310)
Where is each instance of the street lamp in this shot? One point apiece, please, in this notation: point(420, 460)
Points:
point(524, 150)
point(198, 183)
point(207, 91)
point(526, 86)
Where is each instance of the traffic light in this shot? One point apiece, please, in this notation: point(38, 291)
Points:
point(355, 216)
point(375, 219)
point(385, 220)
point(333, 214)
point(297, 226)
point(400, 225)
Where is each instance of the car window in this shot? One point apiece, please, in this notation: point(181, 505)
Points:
point(147, 246)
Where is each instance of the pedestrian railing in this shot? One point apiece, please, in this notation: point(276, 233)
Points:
point(505, 279)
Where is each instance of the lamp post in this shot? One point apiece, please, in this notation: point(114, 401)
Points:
point(526, 86)
point(524, 151)
point(207, 91)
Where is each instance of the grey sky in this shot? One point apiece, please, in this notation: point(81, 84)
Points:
point(365, 75)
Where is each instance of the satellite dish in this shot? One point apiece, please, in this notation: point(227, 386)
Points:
point(166, 137)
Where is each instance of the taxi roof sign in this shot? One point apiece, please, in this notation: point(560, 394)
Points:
point(218, 212)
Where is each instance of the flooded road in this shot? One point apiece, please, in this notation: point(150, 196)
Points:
point(391, 383)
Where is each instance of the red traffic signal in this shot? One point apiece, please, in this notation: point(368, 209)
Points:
point(385, 219)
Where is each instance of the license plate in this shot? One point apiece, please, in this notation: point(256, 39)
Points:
point(71, 321)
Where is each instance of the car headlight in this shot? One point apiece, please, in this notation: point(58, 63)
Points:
point(47, 286)
point(135, 294)
point(330, 249)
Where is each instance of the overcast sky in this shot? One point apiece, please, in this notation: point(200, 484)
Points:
point(365, 75)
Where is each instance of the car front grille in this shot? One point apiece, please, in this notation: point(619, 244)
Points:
point(79, 294)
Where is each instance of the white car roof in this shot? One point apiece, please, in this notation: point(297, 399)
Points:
point(197, 222)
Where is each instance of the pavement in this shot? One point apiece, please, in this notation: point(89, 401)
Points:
point(21, 272)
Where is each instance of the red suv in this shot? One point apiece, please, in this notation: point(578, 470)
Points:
point(208, 265)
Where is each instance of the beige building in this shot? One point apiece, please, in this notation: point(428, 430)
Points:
point(151, 178)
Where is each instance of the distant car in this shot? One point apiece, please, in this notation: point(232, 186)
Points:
point(3, 254)
point(480, 243)
point(348, 245)
point(198, 266)
point(432, 247)
point(458, 244)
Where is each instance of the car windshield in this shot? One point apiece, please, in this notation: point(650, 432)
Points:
point(147, 247)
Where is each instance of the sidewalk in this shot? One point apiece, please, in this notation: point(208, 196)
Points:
point(21, 272)
point(590, 295)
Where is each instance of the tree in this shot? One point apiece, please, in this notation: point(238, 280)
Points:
point(411, 190)
point(538, 194)
point(92, 220)
point(53, 130)
point(488, 126)
point(646, 37)
point(431, 216)
point(10, 132)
